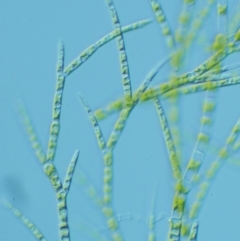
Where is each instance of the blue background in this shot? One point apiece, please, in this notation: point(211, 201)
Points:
point(30, 32)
